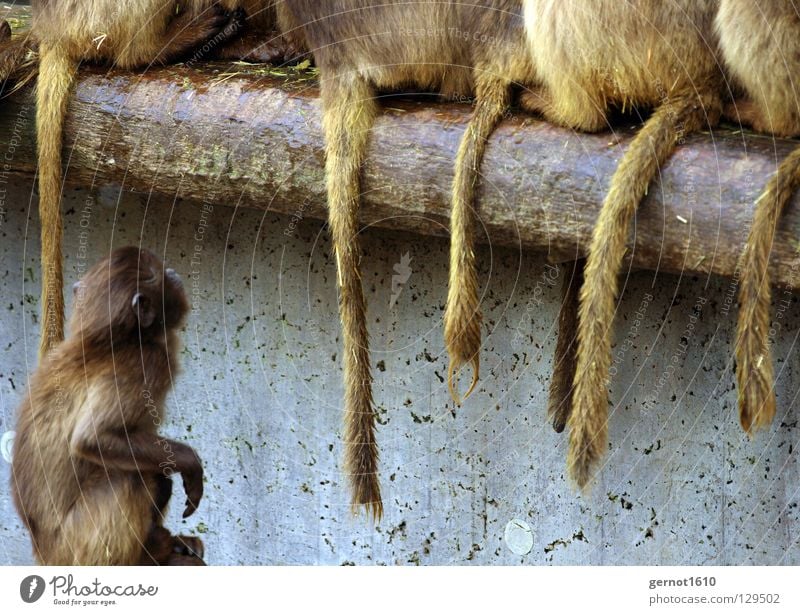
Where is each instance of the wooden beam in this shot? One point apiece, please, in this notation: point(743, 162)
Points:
point(248, 135)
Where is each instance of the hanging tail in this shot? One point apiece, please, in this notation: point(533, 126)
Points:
point(754, 369)
point(649, 150)
point(559, 404)
point(349, 113)
point(462, 318)
point(56, 77)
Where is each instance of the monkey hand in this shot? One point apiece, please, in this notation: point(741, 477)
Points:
point(191, 470)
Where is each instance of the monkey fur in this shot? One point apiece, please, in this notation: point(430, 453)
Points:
point(90, 473)
point(365, 46)
point(590, 57)
point(764, 63)
point(560, 399)
point(131, 34)
point(17, 64)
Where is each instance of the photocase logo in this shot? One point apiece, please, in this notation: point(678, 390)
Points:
point(31, 588)
point(403, 271)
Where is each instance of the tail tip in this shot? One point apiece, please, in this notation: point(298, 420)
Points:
point(761, 418)
point(452, 378)
point(373, 507)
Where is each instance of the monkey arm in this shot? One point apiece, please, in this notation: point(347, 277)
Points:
point(103, 436)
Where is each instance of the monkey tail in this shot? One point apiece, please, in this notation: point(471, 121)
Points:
point(656, 140)
point(462, 317)
point(57, 72)
point(349, 112)
point(754, 369)
point(560, 403)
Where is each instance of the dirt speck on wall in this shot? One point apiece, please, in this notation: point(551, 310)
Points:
point(260, 395)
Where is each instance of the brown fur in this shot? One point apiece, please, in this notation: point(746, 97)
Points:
point(17, 59)
point(260, 41)
point(564, 362)
point(361, 47)
point(136, 33)
point(765, 63)
point(90, 475)
point(590, 56)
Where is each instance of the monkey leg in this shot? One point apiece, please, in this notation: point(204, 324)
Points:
point(162, 494)
point(188, 34)
point(462, 317)
point(576, 106)
point(588, 421)
point(781, 122)
point(107, 526)
point(164, 549)
point(349, 110)
point(754, 369)
point(534, 100)
point(560, 403)
point(259, 48)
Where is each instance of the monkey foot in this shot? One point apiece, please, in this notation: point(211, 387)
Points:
point(188, 546)
point(271, 49)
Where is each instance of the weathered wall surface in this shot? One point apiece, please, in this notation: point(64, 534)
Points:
point(260, 399)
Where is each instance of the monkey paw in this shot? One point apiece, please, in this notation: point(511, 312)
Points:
point(188, 546)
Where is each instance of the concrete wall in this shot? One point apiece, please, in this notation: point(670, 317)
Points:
point(261, 389)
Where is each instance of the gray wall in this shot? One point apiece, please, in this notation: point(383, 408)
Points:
point(260, 398)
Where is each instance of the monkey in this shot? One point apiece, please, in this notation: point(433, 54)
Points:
point(129, 35)
point(764, 64)
point(363, 47)
point(591, 57)
point(90, 472)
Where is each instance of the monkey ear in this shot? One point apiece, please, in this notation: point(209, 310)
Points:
point(143, 308)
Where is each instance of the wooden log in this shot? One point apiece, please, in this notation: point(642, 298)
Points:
point(248, 135)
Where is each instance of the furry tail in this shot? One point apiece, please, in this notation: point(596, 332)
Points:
point(462, 318)
point(56, 76)
point(754, 370)
point(560, 403)
point(650, 148)
point(349, 112)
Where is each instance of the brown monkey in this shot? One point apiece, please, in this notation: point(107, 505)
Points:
point(90, 474)
point(360, 47)
point(591, 56)
point(131, 34)
point(760, 44)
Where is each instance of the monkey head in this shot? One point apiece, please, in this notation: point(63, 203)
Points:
point(128, 295)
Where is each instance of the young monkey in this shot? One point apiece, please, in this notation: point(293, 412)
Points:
point(361, 47)
point(90, 474)
point(765, 63)
point(131, 34)
point(591, 56)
